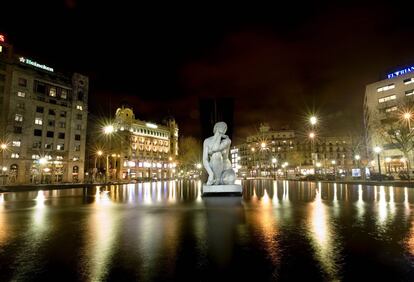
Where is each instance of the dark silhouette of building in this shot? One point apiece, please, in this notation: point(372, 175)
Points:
point(213, 110)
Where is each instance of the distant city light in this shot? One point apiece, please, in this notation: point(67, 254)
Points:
point(333, 162)
point(313, 120)
point(2, 38)
point(108, 129)
point(312, 135)
point(357, 157)
point(377, 149)
point(3, 146)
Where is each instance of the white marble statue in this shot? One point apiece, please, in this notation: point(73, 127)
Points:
point(216, 157)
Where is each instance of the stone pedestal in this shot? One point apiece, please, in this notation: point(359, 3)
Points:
point(222, 189)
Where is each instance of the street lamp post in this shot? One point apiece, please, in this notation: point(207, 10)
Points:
point(274, 161)
point(333, 162)
point(312, 138)
point(254, 161)
point(378, 150)
point(3, 148)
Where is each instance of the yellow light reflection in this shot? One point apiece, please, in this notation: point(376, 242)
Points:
point(102, 232)
point(360, 204)
point(4, 230)
point(39, 212)
point(321, 235)
point(382, 206)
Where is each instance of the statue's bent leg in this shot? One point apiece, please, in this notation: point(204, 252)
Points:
point(228, 177)
point(216, 164)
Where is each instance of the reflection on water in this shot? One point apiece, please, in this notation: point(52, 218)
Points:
point(167, 230)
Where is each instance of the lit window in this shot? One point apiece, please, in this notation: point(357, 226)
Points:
point(408, 80)
point(60, 147)
point(18, 117)
point(15, 155)
point(49, 157)
point(392, 109)
point(75, 159)
point(52, 92)
point(386, 88)
point(16, 143)
point(63, 93)
point(21, 94)
point(59, 157)
point(38, 121)
point(409, 92)
point(35, 157)
point(79, 107)
point(386, 99)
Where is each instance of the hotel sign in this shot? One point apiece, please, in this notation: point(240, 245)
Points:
point(35, 64)
point(400, 72)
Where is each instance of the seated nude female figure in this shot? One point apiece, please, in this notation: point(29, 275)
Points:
point(215, 157)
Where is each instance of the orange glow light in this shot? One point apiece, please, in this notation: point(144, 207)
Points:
point(2, 38)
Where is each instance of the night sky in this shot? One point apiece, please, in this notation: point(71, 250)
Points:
point(278, 62)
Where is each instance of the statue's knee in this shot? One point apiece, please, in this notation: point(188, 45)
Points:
point(229, 177)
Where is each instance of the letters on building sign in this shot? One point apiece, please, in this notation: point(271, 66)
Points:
point(400, 72)
point(35, 64)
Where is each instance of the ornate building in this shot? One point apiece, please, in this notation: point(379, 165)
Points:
point(267, 151)
point(43, 118)
point(140, 149)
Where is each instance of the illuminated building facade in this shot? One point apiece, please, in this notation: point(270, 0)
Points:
point(146, 150)
point(266, 152)
point(43, 118)
point(384, 104)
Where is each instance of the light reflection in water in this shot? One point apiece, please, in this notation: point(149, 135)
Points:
point(4, 230)
point(360, 204)
point(102, 231)
point(382, 206)
point(322, 237)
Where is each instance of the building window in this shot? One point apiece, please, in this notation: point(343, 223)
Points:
point(62, 124)
point(63, 93)
point(63, 114)
point(61, 135)
point(15, 155)
point(387, 98)
point(386, 88)
point(79, 126)
point(22, 82)
point(409, 92)
point(77, 148)
point(59, 157)
point(79, 107)
point(50, 134)
point(38, 121)
point(18, 129)
point(60, 147)
point(51, 123)
point(52, 112)
point(37, 132)
point(408, 80)
point(37, 144)
point(391, 109)
point(52, 91)
point(20, 105)
point(77, 137)
point(35, 157)
point(39, 110)
point(52, 101)
point(21, 94)
point(16, 143)
point(18, 117)
point(49, 146)
point(79, 117)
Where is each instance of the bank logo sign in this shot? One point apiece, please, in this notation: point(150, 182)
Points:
point(400, 72)
point(35, 64)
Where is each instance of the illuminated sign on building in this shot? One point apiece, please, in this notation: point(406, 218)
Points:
point(2, 38)
point(35, 64)
point(400, 72)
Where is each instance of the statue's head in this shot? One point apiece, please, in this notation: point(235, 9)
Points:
point(221, 127)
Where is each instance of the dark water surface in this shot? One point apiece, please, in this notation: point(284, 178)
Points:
point(278, 231)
